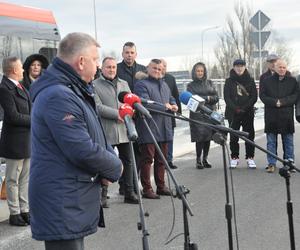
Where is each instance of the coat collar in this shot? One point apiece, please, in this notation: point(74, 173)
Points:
point(113, 82)
point(11, 86)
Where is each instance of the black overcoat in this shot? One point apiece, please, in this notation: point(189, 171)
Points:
point(279, 120)
point(204, 89)
point(15, 134)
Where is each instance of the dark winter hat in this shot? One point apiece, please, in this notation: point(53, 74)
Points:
point(239, 62)
point(272, 57)
point(30, 59)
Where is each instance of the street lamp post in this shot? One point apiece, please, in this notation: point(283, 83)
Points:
point(202, 37)
point(95, 20)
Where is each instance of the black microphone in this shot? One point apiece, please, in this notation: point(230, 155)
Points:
point(195, 102)
point(134, 101)
point(126, 113)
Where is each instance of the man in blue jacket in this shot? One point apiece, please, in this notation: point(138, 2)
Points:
point(70, 155)
point(154, 88)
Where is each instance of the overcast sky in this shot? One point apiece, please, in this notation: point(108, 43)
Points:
point(170, 29)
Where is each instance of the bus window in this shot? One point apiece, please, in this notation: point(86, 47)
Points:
point(49, 53)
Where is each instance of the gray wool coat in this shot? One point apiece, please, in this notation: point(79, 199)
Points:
point(107, 105)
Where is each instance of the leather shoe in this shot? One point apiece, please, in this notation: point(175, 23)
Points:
point(165, 191)
point(199, 165)
point(206, 163)
point(150, 195)
point(26, 217)
point(17, 220)
point(171, 165)
point(131, 198)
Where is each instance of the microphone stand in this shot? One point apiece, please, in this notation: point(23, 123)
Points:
point(220, 138)
point(141, 225)
point(284, 172)
point(181, 191)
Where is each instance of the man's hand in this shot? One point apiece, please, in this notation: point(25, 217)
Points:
point(120, 119)
point(174, 108)
point(168, 106)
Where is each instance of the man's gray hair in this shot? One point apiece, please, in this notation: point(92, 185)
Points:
point(108, 58)
point(74, 43)
point(8, 64)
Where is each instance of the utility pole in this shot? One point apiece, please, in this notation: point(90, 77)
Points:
point(95, 20)
point(202, 38)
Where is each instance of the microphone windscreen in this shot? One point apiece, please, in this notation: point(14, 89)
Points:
point(124, 110)
point(121, 95)
point(131, 99)
point(185, 96)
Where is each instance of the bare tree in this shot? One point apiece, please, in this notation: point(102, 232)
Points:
point(189, 61)
point(235, 41)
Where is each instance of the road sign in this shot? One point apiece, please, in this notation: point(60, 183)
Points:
point(264, 53)
point(259, 20)
point(254, 36)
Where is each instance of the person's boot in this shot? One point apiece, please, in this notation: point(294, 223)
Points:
point(206, 163)
point(199, 164)
point(104, 201)
point(171, 165)
point(17, 220)
point(130, 198)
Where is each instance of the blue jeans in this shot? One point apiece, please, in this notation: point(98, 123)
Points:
point(287, 145)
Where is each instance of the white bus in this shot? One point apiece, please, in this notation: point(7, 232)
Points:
point(27, 30)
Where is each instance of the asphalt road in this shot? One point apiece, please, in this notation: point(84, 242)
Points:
point(260, 204)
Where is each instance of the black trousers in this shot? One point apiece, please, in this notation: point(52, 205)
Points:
point(246, 121)
point(202, 147)
point(75, 244)
point(126, 180)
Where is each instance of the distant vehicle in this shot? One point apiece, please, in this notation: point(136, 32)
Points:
point(27, 30)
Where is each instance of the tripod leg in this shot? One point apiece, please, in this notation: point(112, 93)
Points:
point(142, 224)
point(289, 207)
point(228, 208)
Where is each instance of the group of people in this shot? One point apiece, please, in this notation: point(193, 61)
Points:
point(53, 133)
point(15, 135)
point(279, 92)
point(151, 82)
point(63, 126)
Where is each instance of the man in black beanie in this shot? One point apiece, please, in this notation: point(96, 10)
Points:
point(240, 95)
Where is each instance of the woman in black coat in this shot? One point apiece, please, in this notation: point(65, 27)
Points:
point(203, 87)
point(33, 68)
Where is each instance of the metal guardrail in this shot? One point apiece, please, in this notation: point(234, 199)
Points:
point(219, 84)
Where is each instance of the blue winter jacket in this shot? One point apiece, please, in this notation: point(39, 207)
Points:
point(161, 126)
point(69, 157)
